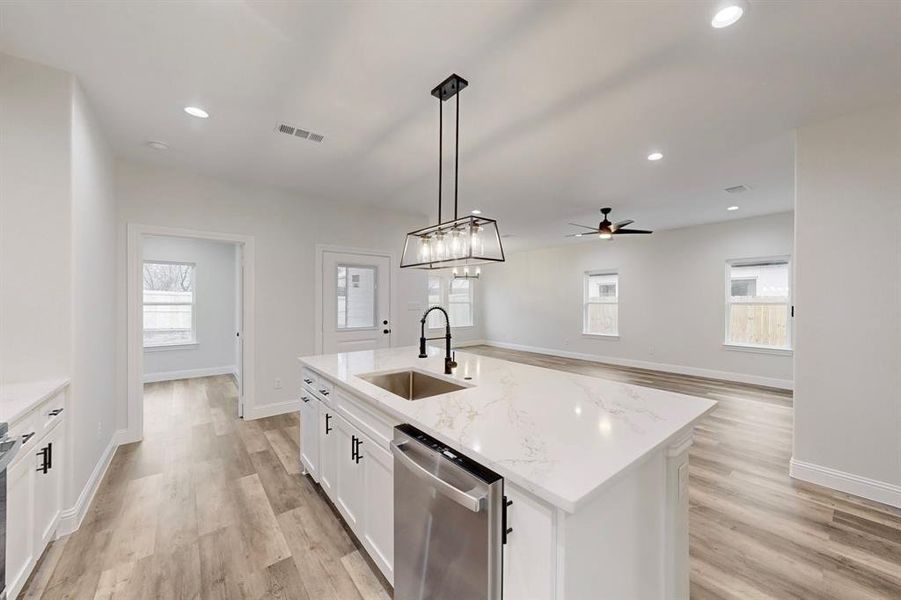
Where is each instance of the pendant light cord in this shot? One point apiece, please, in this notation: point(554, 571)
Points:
point(457, 154)
point(440, 147)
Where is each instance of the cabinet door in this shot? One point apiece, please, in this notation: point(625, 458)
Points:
point(349, 484)
point(48, 488)
point(19, 523)
point(530, 552)
point(309, 435)
point(378, 506)
point(327, 450)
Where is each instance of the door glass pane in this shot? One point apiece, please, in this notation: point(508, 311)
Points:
point(355, 291)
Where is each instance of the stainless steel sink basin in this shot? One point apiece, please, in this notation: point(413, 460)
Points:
point(411, 385)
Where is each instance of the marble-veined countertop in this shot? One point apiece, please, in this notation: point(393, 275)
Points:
point(17, 399)
point(560, 435)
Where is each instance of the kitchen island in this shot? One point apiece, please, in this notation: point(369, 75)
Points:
point(596, 470)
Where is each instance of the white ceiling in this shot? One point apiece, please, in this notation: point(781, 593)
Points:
point(565, 99)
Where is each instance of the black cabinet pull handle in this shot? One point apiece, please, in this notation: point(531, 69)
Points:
point(49, 455)
point(307, 380)
point(353, 447)
point(304, 398)
point(327, 419)
point(359, 456)
point(45, 465)
point(55, 412)
point(323, 392)
point(27, 437)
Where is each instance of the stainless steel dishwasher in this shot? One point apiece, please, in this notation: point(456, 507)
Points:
point(8, 449)
point(449, 522)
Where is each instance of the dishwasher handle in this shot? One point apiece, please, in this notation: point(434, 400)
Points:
point(464, 499)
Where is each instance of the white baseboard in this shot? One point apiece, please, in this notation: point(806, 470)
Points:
point(871, 489)
point(71, 518)
point(189, 374)
point(270, 410)
point(785, 384)
point(470, 343)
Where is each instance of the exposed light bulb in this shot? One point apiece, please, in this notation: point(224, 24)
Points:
point(605, 235)
point(728, 13)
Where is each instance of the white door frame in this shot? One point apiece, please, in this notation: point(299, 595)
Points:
point(321, 249)
point(134, 252)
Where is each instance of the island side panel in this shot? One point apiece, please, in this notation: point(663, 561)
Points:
point(616, 546)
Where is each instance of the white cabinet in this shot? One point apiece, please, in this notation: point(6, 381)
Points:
point(34, 488)
point(20, 538)
point(529, 564)
point(349, 497)
point(378, 509)
point(48, 486)
point(309, 435)
point(328, 455)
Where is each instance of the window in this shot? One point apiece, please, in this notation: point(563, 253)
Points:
point(454, 295)
point(356, 296)
point(169, 304)
point(600, 314)
point(758, 305)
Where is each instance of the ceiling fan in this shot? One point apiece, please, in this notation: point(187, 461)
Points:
point(605, 229)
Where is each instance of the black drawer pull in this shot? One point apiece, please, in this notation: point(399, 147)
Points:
point(307, 380)
point(304, 398)
point(27, 437)
point(323, 392)
point(55, 412)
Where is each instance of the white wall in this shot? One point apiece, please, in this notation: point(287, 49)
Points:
point(214, 316)
point(848, 297)
point(57, 253)
point(93, 399)
point(286, 228)
point(35, 220)
point(671, 299)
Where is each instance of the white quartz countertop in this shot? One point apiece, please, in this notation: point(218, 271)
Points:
point(16, 399)
point(560, 435)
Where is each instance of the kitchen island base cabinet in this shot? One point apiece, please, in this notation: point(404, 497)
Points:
point(628, 539)
point(309, 430)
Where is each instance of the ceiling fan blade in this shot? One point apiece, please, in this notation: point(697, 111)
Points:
point(581, 234)
point(585, 226)
point(621, 231)
point(622, 224)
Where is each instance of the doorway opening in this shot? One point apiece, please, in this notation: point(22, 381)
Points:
point(190, 326)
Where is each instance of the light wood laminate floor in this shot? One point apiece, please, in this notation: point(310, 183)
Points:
point(209, 506)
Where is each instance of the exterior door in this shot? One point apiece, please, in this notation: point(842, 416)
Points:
point(356, 302)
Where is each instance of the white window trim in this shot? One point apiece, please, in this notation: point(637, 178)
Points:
point(445, 303)
point(585, 277)
point(787, 350)
point(175, 345)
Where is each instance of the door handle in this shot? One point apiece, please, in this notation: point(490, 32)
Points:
point(464, 499)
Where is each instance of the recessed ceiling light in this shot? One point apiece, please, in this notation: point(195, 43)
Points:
point(728, 13)
point(158, 145)
point(732, 208)
point(476, 211)
point(195, 111)
point(655, 156)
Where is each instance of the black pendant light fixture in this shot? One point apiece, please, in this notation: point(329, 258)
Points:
point(463, 241)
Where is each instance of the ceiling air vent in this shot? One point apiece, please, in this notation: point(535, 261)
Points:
point(297, 132)
point(737, 189)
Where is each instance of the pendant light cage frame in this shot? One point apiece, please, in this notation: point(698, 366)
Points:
point(463, 241)
point(468, 241)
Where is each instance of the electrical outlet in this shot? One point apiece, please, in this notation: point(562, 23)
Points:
point(278, 384)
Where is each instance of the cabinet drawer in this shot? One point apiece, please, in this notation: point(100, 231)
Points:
point(309, 378)
point(364, 418)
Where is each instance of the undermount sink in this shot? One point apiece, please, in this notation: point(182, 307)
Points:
point(411, 385)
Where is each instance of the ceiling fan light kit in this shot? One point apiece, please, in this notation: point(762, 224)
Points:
point(463, 241)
